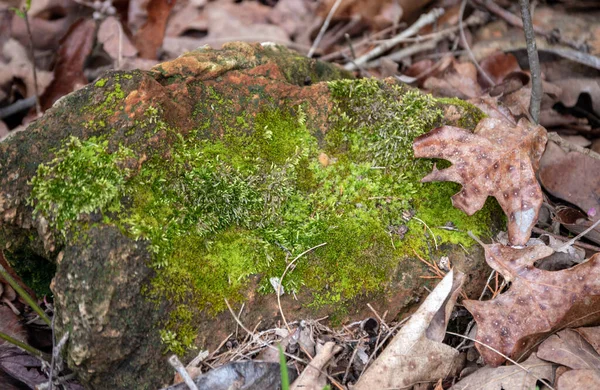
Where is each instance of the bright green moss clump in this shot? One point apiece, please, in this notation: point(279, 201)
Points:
point(82, 178)
point(218, 211)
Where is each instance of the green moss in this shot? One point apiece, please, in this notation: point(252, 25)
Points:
point(218, 211)
point(469, 114)
point(377, 121)
point(83, 178)
point(113, 97)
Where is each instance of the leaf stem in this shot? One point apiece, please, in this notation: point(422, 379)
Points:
point(27, 348)
point(23, 294)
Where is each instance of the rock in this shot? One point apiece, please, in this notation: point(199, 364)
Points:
point(160, 194)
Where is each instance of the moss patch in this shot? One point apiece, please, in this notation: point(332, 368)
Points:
point(81, 179)
point(217, 211)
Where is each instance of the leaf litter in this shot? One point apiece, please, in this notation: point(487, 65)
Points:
point(536, 300)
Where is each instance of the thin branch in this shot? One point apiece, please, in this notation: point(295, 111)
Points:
point(178, 366)
point(534, 62)
point(423, 21)
point(583, 233)
point(579, 244)
point(38, 108)
point(323, 28)
point(557, 139)
point(466, 44)
point(280, 285)
point(18, 106)
point(25, 347)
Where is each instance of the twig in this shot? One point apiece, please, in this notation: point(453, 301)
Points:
point(264, 344)
point(504, 356)
point(323, 28)
point(466, 44)
point(358, 345)
point(554, 137)
point(349, 43)
point(381, 321)
point(431, 231)
point(426, 42)
point(509, 17)
point(534, 62)
point(56, 357)
point(25, 347)
point(423, 20)
point(38, 107)
point(404, 53)
point(178, 366)
point(366, 41)
point(18, 106)
point(577, 237)
point(579, 244)
point(281, 281)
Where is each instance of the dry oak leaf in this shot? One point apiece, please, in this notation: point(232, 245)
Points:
point(537, 303)
point(513, 377)
point(578, 350)
point(498, 159)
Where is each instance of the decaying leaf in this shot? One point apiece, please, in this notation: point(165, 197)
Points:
point(499, 159)
point(74, 49)
point(149, 38)
point(570, 347)
point(573, 177)
point(312, 377)
point(416, 354)
point(508, 377)
point(538, 301)
point(457, 80)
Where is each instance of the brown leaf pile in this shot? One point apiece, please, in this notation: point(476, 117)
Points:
point(537, 303)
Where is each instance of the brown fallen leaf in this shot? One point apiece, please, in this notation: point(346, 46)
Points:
point(457, 80)
point(11, 325)
point(18, 67)
point(497, 66)
point(74, 49)
point(149, 38)
point(508, 377)
point(570, 348)
point(114, 39)
point(576, 222)
point(375, 12)
point(579, 379)
point(246, 21)
point(417, 354)
point(498, 159)
point(573, 177)
point(592, 336)
point(537, 303)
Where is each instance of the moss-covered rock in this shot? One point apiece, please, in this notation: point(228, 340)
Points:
point(161, 194)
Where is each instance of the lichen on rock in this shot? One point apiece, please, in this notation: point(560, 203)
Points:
point(213, 172)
